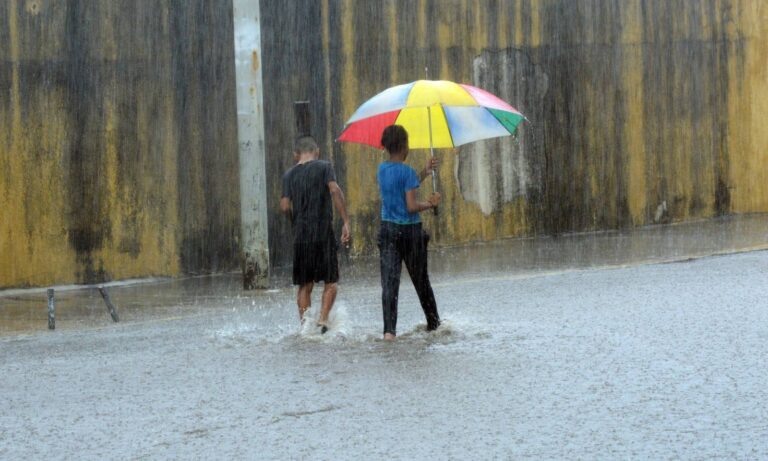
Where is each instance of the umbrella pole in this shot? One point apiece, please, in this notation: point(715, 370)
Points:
point(432, 153)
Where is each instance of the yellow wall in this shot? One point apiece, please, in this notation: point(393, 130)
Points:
point(118, 146)
point(748, 142)
point(118, 142)
point(641, 112)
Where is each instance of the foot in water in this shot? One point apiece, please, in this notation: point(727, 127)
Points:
point(389, 337)
point(323, 328)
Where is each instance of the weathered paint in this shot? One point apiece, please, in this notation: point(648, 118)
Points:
point(641, 111)
point(118, 142)
point(250, 126)
point(748, 112)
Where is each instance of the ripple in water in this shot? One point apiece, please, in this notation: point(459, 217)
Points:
point(343, 331)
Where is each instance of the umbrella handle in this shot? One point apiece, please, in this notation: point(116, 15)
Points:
point(434, 185)
point(432, 152)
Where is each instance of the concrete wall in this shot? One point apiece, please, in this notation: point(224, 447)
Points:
point(118, 140)
point(119, 151)
point(641, 111)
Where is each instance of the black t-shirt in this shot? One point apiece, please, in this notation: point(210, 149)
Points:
point(306, 185)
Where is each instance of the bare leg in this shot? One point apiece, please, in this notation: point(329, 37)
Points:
point(304, 298)
point(389, 337)
point(329, 297)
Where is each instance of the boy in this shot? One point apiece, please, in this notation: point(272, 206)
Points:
point(309, 187)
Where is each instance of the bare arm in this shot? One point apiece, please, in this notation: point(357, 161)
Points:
point(414, 205)
point(337, 195)
point(286, 206)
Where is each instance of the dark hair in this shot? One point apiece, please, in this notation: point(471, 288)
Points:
point(394, 138)
point(305, 144)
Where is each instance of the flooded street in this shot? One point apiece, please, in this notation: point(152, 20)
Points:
point(579, 347)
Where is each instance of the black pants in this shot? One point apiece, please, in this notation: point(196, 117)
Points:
point(398, 243)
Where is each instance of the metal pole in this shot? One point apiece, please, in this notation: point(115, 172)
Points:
point(110, 306)
point(51, 310)
point(432, 153)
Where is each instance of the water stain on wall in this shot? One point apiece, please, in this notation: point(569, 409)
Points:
point(119, 144)
point(629, 103)
point(498, 171)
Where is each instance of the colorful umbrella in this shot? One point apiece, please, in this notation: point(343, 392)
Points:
point(436, 113)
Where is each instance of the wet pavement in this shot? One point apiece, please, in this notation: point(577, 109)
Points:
point(584, 346)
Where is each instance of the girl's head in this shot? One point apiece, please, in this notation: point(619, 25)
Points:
point(395, 139)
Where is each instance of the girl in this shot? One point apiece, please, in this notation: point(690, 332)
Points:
point(401, 237)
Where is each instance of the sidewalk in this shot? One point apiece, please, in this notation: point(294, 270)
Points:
point(25, 311)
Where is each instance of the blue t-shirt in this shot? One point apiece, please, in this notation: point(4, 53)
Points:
point(395, 179)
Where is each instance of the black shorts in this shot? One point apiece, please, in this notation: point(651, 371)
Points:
point(315, 262)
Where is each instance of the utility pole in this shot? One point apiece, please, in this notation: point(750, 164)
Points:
point(250, 133)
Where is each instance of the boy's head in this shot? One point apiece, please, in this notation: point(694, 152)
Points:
point(305, 145)
point(394, 138)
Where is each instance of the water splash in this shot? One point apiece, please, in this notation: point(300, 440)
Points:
point(338, 323)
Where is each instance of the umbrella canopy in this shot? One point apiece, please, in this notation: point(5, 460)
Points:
point(436, 113)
